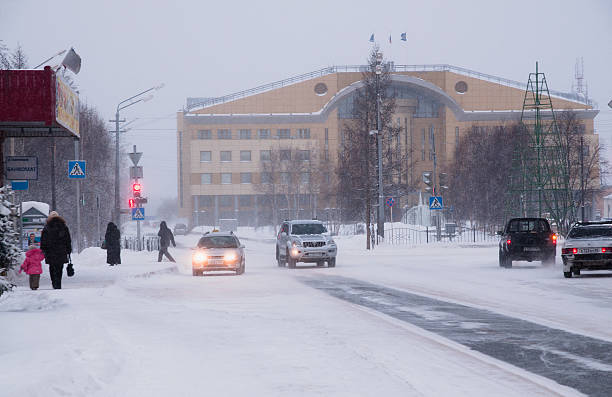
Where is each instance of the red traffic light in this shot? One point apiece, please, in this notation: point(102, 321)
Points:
point(132, 203)
point(137, 187)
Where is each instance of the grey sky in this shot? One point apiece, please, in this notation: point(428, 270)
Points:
point(203, 48)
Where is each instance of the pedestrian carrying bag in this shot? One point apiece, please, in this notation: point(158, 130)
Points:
point(70, 268)
point(103, 246)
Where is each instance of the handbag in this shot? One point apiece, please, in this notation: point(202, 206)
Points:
point(70, 268)
point(103, 246)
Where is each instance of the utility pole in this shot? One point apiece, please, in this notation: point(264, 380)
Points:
point(117, 211)
point(582, 176)
point(53, 202)
point(78, 200)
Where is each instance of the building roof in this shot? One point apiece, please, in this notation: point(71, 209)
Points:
point(200, 103)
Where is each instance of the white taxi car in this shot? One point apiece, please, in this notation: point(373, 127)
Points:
point(588, 246)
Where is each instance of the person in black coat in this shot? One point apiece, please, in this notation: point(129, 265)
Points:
point(165, 237)
point(56, 244)
point(113, 244)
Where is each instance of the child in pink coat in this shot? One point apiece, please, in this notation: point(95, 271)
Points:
point(32, 265)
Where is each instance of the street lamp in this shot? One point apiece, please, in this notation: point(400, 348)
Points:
point(381, 204)
point(130, 101)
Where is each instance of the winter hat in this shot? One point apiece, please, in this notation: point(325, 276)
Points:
point(52, 214)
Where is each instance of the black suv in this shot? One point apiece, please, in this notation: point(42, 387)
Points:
point(527, 239)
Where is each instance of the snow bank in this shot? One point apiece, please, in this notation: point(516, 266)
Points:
point(25, 301)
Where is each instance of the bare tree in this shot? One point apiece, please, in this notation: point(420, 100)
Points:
point(357, 163)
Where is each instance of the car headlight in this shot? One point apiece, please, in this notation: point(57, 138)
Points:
point(230, 257)
point(331, 241)
point(297, 243)
point(199, 257)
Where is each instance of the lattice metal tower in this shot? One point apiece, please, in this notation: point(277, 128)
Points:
point(539, 181)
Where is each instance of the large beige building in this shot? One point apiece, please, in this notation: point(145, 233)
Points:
point(224, 142)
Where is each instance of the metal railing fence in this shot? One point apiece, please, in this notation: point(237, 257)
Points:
point(411, 236)
point(146, 243)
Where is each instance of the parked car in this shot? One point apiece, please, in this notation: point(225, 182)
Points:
point(218, 251)
point(588, 246)
point(180, 228)
point(527, 239)
point(305, 241)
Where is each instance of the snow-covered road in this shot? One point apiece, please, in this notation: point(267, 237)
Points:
point(111, 333)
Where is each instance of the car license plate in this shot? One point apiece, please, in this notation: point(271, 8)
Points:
point(215, 261)
point(531, 249)
point(588, 250)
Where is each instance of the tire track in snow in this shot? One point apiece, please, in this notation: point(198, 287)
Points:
point(573, 360)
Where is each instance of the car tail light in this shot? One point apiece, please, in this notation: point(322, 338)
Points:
point(606, 250)
point(574, 250)
point(508, 241)
point(566, 251)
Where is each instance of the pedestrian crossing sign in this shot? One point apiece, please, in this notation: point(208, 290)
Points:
point(77, 169)
point(435, 203)
point(138, 214)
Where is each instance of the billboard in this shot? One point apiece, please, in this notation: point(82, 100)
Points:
point(66, 106)
point(37, 103)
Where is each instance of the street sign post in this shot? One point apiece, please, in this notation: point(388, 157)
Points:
point(21, 167)
point(390, 202)
point(19, 185)
point(138, 214)
point(136, 172)
point(77, 169)
point(436, 203)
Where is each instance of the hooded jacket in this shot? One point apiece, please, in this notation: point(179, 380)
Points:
point(113, 244)
point(55, 241)
point(165, 236)
point(32, 264)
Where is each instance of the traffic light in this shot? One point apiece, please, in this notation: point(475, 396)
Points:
point(132, 203)
point(136, 189)
point(428, 181)
point(443, 181)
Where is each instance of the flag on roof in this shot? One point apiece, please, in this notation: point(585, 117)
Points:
point(372, 38)
point(72, 61)
point(403, 35)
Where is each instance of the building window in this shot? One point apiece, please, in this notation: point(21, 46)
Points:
point(245, 200)
point(205, 156)
point(264, 134)
point(245, 177)
point(283, 133)
point(285, 178)
point(423, 145)
point(304, 133)
point(224, 134)
point(264, 155)
point(305, 177)
point(303, 155)
point(226, 155)
point(266, 177)
point(285, 154)
point(327, 177)
point(205, 179)
point(226, 178)
point(226, 200)
point(245, 134)
point(245, 155)
point(432, 142)
point(204, 134)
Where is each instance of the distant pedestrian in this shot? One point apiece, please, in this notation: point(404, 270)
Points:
point(165, 237)
point(55, 243)
point(32, 266)
point(112, 238)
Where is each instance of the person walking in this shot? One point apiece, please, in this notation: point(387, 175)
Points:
point(113, 244)
point(165, 237)
point(32, 266)
point(56, 245)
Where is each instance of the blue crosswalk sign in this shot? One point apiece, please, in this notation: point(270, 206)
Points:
point(435, 203)
point(77, 169)
point(138, 214)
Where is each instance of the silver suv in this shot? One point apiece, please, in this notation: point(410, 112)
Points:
point(305, 241)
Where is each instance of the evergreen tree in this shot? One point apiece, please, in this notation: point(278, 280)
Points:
point(10, 254)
